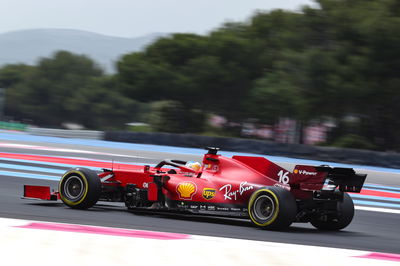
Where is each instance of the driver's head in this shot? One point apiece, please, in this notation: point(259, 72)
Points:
point(193, 165)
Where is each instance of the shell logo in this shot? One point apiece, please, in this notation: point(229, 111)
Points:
point(296, 171)
point(186, 190)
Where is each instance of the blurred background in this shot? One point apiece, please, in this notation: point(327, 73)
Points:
point(324, 72)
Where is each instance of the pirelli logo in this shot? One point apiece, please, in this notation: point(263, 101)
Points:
point(209, 193)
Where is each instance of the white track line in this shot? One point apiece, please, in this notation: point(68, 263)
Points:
point(26, 246)
point(374, 209)
point(44, 148)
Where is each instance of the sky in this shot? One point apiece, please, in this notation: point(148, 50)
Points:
point(133, 18)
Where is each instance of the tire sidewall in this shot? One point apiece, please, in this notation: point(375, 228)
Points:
point(91, 188)
point(256, 195)
point(285, 208)
point(346, 210)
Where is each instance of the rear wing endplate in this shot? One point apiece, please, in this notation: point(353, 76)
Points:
point(346, 179)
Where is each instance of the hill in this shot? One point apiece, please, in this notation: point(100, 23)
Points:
point(28, 46)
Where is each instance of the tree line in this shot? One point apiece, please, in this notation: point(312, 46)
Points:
point(336, 61)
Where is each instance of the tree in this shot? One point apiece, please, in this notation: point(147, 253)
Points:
point(99, 105)
point(274, 96)
point(10, 75)
point(177, 49)
point(143, 80)
point(42, 93)
point(334, 61)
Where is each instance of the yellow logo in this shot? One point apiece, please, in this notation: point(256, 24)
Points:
point(296, 171)
point(186, 190)
point(208, 193)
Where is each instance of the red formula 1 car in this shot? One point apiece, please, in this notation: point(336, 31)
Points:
point(241, 186)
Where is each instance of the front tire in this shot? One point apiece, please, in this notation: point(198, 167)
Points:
point(344, 216)
point(80, 188)
point(272, 208)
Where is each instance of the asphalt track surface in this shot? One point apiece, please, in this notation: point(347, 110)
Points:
point(372, 231)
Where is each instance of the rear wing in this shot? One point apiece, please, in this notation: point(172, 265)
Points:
point(306, 177)
point(327, 178)
point(345, 178)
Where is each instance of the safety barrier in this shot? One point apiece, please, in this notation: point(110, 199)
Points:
point(12, 126)
point(66, 133)
point(332, 154)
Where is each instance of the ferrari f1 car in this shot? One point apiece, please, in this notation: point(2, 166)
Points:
point(242, 186)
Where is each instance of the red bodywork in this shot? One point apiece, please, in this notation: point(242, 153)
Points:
point(223, 184)
point(221, 181)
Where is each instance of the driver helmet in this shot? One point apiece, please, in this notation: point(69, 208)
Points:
point(193, 165)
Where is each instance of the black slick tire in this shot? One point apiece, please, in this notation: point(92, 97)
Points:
point(80, 188)
point(272, 208)
point(345, 214)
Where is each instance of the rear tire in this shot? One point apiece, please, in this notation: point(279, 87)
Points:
point(80, 188)
point(272, 208)
point(341, 220)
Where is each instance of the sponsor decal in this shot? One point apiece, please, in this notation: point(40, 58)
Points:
point(304, 172)
point(186, 190)
point(232, 195)
point(211, 167)
point(222, 209)
point(282, 186)
point(208, 193)
point(194, 206)
point(203, 207)
point(145, 185)
point(235, 209)
point(182, 205)
point(211, 208)
point(188, 175)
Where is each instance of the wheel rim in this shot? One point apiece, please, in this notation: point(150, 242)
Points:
point(73, 188)
point(264, 208)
